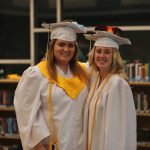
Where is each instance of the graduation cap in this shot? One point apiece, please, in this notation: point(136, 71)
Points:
point(65, 30)
point(107, 38)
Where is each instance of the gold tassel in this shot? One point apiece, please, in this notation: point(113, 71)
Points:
point(52, 125)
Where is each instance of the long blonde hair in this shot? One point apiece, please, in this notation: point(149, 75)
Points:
point(76, 69)
point(117, 66)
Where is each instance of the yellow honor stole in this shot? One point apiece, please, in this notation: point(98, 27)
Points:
point(72, 86)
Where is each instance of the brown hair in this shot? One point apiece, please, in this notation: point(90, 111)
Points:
point(76, 69)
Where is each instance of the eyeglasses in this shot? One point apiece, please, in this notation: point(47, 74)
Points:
point(112, 29)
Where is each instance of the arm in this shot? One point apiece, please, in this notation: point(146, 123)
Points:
point(120, 131)
point(27, 102)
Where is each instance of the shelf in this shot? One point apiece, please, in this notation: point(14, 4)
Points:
point(144, 144)
point(10, 137)
point(6, 109)
point(139, 83)
point(7, 112)
point(8, 84)
point(143, 114)
point(8, 81)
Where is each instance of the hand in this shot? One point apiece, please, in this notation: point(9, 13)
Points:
point(39, 146)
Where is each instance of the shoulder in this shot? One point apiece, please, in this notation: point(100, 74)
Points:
point(86, 66)
point(30, 79)
point(119, 82)
point(119, 87)
point(32, 73)
point(82, 64)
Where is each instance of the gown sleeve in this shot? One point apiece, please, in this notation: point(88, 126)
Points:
point(120, 131)
point(27, 103)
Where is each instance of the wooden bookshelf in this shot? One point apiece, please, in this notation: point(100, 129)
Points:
point(7, 113)
point(8, 84)
point(143, 146)
point(143, 114)
point(140, 89)
point(6, 109)
point(11, 81)
point(139, 83)
point(10, 139)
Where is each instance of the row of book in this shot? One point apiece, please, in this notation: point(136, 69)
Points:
point(142, 102)
point(8, 126)
point(6, 97)
point(138, 71)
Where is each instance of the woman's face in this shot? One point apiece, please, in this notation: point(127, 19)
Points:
point(103, 58)
point(63, 51)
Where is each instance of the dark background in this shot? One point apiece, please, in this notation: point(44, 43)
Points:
point(15, 31)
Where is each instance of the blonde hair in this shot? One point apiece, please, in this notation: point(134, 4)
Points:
point(76, 69)
point(117, 66)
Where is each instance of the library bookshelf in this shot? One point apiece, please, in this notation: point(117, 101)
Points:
point(9, 135)
point(142, 103)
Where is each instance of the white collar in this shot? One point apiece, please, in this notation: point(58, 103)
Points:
point(67, 75)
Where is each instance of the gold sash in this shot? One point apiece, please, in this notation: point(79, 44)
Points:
point(72, 86)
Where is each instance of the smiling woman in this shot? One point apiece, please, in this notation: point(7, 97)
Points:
point(54, 92)
point(109, 116)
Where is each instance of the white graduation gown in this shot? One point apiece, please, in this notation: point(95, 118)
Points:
point(115, 118)
point(32, 111)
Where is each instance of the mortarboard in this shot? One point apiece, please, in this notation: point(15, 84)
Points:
point(107, 39)
point(65, 30)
